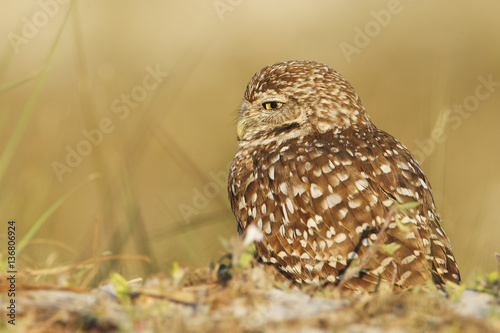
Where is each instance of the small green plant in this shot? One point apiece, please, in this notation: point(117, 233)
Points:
point(123, 291)
point(488, 283)
point(454, 291)
point(242, 252)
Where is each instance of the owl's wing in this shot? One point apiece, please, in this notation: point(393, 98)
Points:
point(321, 203)
point(413, 185)
point(338, 194)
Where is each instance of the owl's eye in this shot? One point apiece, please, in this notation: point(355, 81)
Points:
point(272, 105)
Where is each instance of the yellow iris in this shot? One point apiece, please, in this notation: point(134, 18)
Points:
point(272, 105)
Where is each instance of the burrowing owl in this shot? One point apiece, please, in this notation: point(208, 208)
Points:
point(319, 179)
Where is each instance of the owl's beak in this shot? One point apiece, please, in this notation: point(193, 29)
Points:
point(240, 128)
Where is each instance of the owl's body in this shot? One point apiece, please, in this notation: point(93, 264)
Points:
point(319, 179)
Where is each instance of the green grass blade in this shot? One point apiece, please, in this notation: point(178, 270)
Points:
point(29, 107)
point(44, 217)
point(20, 81)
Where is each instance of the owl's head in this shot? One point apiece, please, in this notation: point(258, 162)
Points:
point(296, 98)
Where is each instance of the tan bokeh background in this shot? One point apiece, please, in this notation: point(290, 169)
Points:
point(161, 169)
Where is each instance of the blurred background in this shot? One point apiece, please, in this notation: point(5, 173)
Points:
point(117, 117)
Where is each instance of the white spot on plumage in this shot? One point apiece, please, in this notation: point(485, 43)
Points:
point(316, 191)
point(284, 188)
point(342, 176)
point(438, 243)
point(311, 223)
point(411, 235)
point(326, 169)
point(403, 166)
point(386, 261)
point(253, 199)
point(285, 221)
point(440, 232)
point(282, 230)
point(404, 277)
point(242, 203)
point(298, 189)
point(361, 184)
point(355, 203)
point(289, 205)
point(252, 212)
point(331, 279)
point(333, 200)
point(340, 238)
point(406, 219)
point(271, 172)
point(387, 202)
point(439, 261)
point(319, 266)
point(269, 247)
point(352, 255)
point(366, 242)
point(404, 191)
point(408, 259)
point(386, 168)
